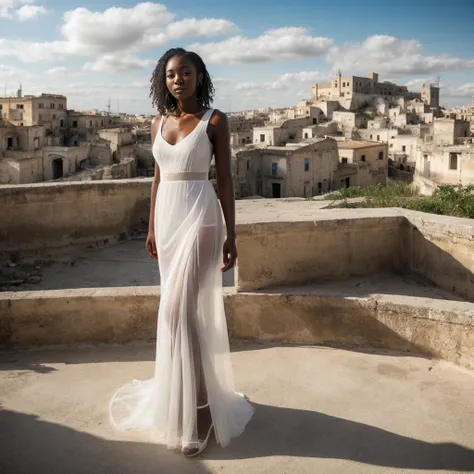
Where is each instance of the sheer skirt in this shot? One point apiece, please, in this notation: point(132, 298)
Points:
point(193, 364)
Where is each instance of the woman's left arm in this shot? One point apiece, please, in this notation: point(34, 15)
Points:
point(222, 153)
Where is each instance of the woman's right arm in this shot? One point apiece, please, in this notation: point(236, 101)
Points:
point(150, 241)
point(156, 180)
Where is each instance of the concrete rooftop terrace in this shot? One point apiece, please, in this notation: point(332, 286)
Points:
point(318, 410)
point(347, 287)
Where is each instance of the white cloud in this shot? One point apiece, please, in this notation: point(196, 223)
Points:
point(30, 52)
point(62, 71)
point(28, 12)
point(13, 73)
point(20, 9)
point(116, 63)
point(295, 86)
point(274, 45)
point(286, 81)
point(464, 90)
point(415, 85)
point(116, 30)
point(390, 55)
point(190, 27)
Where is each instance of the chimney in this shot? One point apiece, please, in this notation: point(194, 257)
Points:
point(19, 93)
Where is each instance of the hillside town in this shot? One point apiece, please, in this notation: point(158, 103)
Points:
point(353, 131)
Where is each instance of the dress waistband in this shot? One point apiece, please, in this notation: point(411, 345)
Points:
point(185, 176)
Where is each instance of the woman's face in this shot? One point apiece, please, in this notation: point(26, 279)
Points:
point(181, 77)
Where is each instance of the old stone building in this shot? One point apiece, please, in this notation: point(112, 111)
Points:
point(446, 156)
point(371, 158)
point(41, 140)
point(121, 142)
point(83, 127)
point(278, 135)
point(349, 87)
point(21, 153)
point(299, 170)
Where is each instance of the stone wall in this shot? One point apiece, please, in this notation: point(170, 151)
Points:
point(279, 253)
point(45, 216)
point(304, 316)
point(286, 248)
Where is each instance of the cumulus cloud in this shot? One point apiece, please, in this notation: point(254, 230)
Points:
point(190, 27)
point(416, 84)
point(20, 9)
point(463, 90)
point(115, 30)
point(13, 73)
point(116, 63)
point(274, 45)
point(28, 12)
point(286, 81)
point(284, 90)
point(30, 52)
point(390, 55)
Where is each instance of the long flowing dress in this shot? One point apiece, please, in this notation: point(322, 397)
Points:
point(193, 364)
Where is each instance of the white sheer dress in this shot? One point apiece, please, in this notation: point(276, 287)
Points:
point(193, 364)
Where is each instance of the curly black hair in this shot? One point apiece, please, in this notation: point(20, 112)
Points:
point(162, 98)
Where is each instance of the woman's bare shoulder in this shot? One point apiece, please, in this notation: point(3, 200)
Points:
point(219, 119)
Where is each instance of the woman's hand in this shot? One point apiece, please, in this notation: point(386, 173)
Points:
point(230, 254)
point(151, 245)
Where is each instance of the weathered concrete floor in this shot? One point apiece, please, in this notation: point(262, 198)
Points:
point(125, 263)
point(318, 410)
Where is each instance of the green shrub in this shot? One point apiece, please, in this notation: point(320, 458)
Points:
point(455, 201)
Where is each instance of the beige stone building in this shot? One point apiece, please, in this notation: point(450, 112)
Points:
point(21, 155)
point(446, 156)
point(450, 131)
point(320, 131)
point(291, 171)
point(121, 142)
point(278, 135)
point(83, 127)
point(465, 112)
point(375, 155)
point(450, 164)
point(349, 87)
point(49, 110)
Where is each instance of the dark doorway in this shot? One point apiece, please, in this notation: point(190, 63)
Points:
point(345, 183)
point(276, 190)
point(57, 168)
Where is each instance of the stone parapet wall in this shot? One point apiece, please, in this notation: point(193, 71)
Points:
point(40, 217)
point(311, 315)
point(280, 253)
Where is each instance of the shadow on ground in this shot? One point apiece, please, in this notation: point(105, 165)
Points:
point(275, 431)
point(30, 445)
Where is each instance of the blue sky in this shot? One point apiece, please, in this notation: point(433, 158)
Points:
point(260, 53)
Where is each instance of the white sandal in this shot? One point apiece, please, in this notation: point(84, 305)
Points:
point(201, 444)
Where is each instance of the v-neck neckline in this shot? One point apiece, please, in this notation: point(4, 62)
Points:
point(188, 135)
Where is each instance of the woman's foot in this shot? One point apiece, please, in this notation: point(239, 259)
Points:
point(204, 428)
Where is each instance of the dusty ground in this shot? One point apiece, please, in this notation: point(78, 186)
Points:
point(124, 263)
point(318, 410)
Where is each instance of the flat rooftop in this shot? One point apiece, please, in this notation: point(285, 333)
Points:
point(317, 410)
point(355, 144)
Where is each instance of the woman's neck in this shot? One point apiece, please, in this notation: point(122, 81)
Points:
point(189, 106)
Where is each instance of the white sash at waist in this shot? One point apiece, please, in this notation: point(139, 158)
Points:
point(185, 176)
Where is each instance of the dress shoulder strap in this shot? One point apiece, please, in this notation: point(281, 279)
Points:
point(207, 116)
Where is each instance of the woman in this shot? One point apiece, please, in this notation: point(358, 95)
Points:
point(192, 392)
